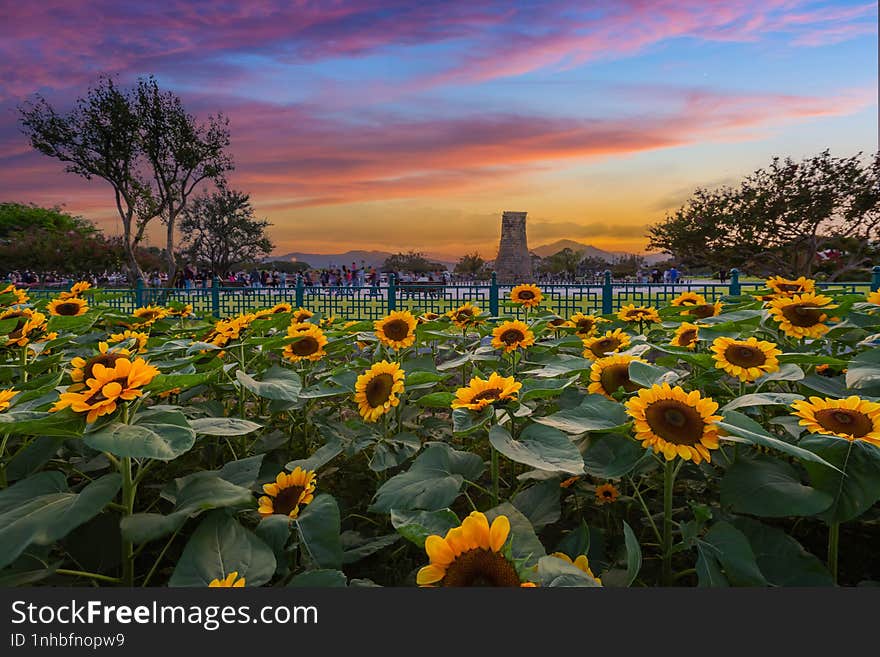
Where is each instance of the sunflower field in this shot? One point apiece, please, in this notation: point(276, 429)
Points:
point(725, 443)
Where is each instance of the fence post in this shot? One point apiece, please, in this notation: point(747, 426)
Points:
point(392, 291)
point(139, 293)
point(300, 291)
point(735, 289)
point(875, 278)
point(493, 295)
point(607, 294)
point(215, 297)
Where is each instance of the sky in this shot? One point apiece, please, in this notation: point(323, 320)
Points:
point(397, 125)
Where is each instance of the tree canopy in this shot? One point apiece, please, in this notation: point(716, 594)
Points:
point(412, 261)
point(470, 265)
point(221, 233)
point(789, 218)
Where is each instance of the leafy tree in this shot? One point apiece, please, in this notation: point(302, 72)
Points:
point(16, 217)
point(781, 220)
point(627, 265)
point(288, 267)
point(412, 261)
point(469, 265)
point(220, 231)
point(142, 142)
point(567, 261)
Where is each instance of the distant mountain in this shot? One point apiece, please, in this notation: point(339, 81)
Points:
point(591, 251)
point(325, 260)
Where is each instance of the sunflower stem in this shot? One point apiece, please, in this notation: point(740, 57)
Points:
point(833, 542)
point(495, 477)
point(648, 515)
point(23, 364)
point(82, 573)
point(669, 472)
point(128, 492)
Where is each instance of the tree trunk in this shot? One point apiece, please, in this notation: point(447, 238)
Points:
point(169, 247)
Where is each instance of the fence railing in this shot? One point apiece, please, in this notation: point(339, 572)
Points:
point(374, 301)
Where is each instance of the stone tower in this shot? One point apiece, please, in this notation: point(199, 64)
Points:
point(513, 264)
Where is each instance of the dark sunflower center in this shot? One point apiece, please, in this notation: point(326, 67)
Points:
point(687, 337)
point(19, 325)
point(301, 317)
point(148, 315)
point(305, 346)
point(512, 336)
point(617, 376)
point(525, 295)
point(491, 393)
point(604, 346)
point(107, 360)
point(585, 325)
point(688, 301)
point(803, 316)
point(557, 322)
point(286, 500)
point(846, 421)
point(67, 309)
point(702, 311)
point(378, 390)
point(636, 314)
point(607, 493)
point(396, 329)
point(744, 356)
point(480, 567)
point(675, 421)
point(463, 314)
point(789, 287)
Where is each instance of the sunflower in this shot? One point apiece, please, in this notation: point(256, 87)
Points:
point(801, 316)
point(150, 314)
point(584, 325)
point(288, 493)
point(610, 373)
point(309, 345)
point(852, 418)
point(675, 422)
point(633, 313)
point(107, 387)
point(83, 368)
point(569, 482)
point(465, 315)
point(874, 297)
point(785, 287)
point(424, 318)
point(231, 581)
point(140, 338)
point(76, 290)
point(512, 334)
point(526, 295)
point(376, 390)
point(470, 555)
point(480, 393)
point(180, 310)
point(397, 330)
point(686, 335)
point(229, 329)
point(281, 308)
point(689, 299)
point(20, 296)
point(302, 315)
point(606, 494)
point(704, 310)
point(581, 563)
point(5, 398)
point(746, 359)
point(603, 345)
point(70, 307)
point(28, 323)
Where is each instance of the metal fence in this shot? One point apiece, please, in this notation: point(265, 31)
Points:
point(373, 302)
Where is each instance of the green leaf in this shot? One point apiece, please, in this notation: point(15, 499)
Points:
point(764, 486)
point(165, 382)
point(223, 426)
point(826, 385)
point(277, 383)
point(158, 435)
point(466, 421)
point(322, 456)
point(218, 547)
point(854, 483)
point(543, 388)
point(761, 399)
point(40, 510)
point(321, 578)
point(562, 365)
point(633, 554)
point(539, 447)
point(555, 572)
point(782, 560)
point(648, 375)
point(420, 380)
point(524, 543)
point(786, 372)
point(863, 373)
point(594, 413)
point(318, 525)
point(364, 548)
point(731, 549)
point(540, 503)
point(30, 423)
point(395, 450)
point(745, 428)
point(610, 456)
point(432, 482)
point(416, 526)
point(436, 400)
